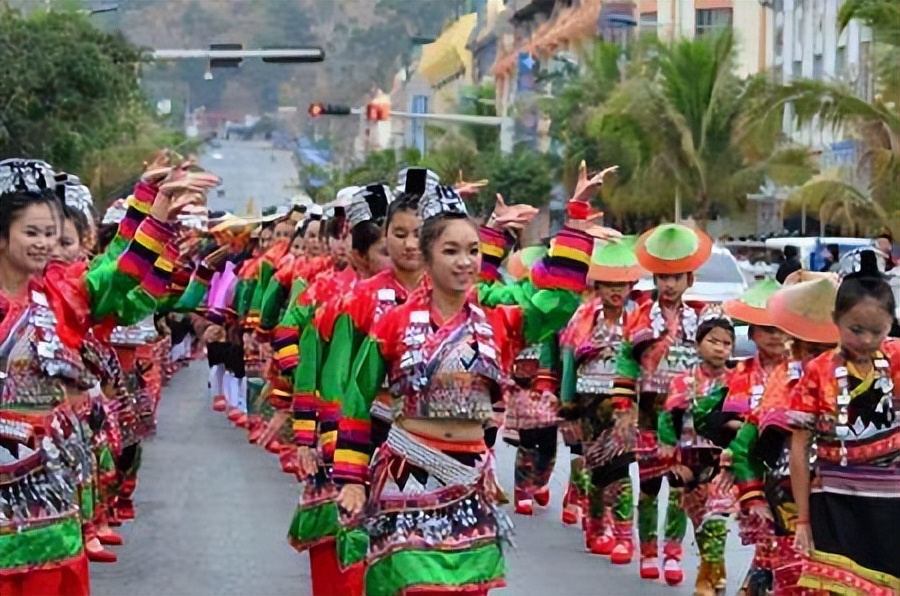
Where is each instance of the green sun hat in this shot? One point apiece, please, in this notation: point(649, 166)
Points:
point(519, 263)
point(750, 307)
point(615, 261)
point(669, 249)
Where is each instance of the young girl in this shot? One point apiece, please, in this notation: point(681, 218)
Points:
point(697, 426)
point(847, 401)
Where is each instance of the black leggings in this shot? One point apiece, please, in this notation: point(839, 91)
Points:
point(542, 439)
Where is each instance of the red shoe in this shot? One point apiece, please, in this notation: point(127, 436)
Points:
point(241, 421)
point(219, 403)
point(571, 513)
point(672, 570)
point(110, 538)
point(622, 553)
point(255, 433)
point(274, 446)
point(524, 507)
point(125, 510)
point(288, 461)
point(602, 545)
point(234, 414)
point(649, 568)
point(100, 555)
point(673, 573)
point(649, 561)
point(542, 496)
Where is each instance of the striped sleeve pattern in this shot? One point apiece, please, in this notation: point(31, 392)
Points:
point(567, 262)
point(156, 284)
point(150, 240)
point(494, 247)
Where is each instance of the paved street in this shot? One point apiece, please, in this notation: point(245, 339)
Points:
point(213, 512)
point(250, 170)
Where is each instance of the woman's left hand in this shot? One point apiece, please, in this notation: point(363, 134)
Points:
point(513, 217)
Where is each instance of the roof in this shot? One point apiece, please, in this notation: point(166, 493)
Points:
point(447, 56)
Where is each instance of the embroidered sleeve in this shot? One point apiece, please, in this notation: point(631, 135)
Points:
point(746, 467)
point(805, 398)
point(665, 428)
point(335, 376)
point(544, 312)
point(566, 264)
point(354, 444)
point(495, 245)
point(627, 372)
point(286, 338)
point(305, 401)
point(197, 290)
point(568, 379)
point(271, 304)
point(139, 204)
point(109, 285)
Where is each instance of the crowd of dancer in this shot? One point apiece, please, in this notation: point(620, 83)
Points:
point(381, 348)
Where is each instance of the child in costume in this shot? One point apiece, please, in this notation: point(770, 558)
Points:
point(659, 344)
point(697, 424)
point(597, 427)
point(847, 402)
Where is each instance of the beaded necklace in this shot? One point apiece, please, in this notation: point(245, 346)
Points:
point(845, 395)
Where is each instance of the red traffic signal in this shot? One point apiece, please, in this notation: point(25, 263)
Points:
point(327, 109)
point(377, 113)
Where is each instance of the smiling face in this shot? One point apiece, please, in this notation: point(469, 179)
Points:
point(402, 239)
point(33, 238)
point(454, 259)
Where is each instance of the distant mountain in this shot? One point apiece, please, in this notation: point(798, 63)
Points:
point(365, 41)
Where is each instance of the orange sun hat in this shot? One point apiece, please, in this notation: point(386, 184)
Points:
point(669, 249)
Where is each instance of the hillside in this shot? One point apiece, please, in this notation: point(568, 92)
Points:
point(365, 41)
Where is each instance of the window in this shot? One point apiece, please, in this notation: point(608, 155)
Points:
point(419, 106)
point(712, 18)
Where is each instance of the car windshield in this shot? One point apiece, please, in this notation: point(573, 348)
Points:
point(719, 268)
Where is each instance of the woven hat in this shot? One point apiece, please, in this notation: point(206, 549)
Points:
point(615, 261)
point(750, 307)
point(803, 309)
point(519, 263)
point(670, 249)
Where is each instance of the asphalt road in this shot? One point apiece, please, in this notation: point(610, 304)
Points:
point(250, 170)
point(213, 513)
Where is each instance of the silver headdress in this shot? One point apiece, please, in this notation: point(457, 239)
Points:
point(26, 175)
point(417, 181)
point(115, 213)
point(75, 195)
point(370, 203)
point(443, 200)
point(854, 261)
point(713, 312)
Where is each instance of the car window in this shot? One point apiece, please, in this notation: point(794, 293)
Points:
point(720, 268)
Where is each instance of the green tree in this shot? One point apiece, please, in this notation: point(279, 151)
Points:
point(676, 114)
point(522, 177)
point(874, 185)
point(67, 89)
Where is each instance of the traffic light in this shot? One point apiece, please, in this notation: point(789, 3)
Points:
point(225, 62)
point(379, 109)
point(326, 109)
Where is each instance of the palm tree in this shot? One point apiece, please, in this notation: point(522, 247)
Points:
point(831, 104)
point(678, 114)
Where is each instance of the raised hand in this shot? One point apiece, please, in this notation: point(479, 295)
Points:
point(468, 189)
point(511, 215)
point(586, 187)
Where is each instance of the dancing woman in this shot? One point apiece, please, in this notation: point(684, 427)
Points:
point(46, 308)
point(445, 356)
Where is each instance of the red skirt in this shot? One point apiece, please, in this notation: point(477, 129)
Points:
point(65, 578)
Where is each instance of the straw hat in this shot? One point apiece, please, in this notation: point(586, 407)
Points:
point(751, 306)
point(615, 261)
point(669, 249)
point(803, 308)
